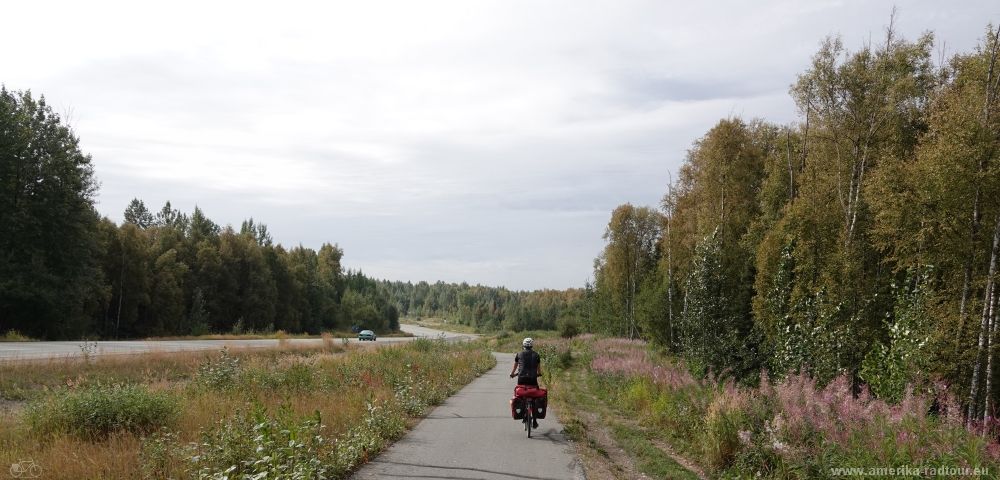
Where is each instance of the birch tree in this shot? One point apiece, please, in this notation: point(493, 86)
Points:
point(629, 257)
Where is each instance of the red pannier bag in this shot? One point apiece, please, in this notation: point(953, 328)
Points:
point(540, 396)
point(517, 405)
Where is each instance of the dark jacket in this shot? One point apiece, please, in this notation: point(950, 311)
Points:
point(527, 363)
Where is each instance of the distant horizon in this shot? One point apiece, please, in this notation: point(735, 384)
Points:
point(485, 143)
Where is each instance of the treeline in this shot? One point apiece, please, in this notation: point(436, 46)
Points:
point(864, 239)
point(65, 272)
point(489, 309)
point(171, 274)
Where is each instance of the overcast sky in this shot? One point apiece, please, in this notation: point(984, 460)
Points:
point(472, 141)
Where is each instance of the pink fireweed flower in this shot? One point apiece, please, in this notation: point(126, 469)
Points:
point(636, 363)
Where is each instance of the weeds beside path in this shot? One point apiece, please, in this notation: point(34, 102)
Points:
point(671, 423)
point(613, 445)
point(279, 413)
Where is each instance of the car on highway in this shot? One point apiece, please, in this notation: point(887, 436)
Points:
point(366, 335)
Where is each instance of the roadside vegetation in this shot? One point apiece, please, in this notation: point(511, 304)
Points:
point(632, 408)
point(858, 247)
point(14, 336)
point(280, 413)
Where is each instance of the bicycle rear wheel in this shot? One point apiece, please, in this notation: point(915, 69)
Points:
point(529, 417)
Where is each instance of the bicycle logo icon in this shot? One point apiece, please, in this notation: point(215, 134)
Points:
point(25, 469)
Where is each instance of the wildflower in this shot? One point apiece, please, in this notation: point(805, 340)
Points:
point(780, 447)
point(744, 437)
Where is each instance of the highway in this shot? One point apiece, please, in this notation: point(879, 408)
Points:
point(16, 351)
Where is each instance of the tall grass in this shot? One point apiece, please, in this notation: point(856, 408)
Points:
point(15, 336)
point(286, 413)
point(98, 411)
point(24, 380)
point(792, 428)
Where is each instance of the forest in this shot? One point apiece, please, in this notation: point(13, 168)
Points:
point(489, 309)
point(861, 240)
point(68, 273)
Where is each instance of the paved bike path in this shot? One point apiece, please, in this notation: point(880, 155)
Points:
point(471, 436)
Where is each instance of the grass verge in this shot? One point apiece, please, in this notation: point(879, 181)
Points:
point(660, 416)
point(611, 442)
point(28, 379)
point(650, 460)
point(101, 410)
point(282, 413)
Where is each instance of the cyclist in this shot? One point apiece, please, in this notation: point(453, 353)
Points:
point(527, 367)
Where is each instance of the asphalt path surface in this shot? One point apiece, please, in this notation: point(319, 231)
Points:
point(472, 436)
point(14, 351)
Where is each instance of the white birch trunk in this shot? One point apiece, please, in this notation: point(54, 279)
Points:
point(990, 353)
point(973, 412)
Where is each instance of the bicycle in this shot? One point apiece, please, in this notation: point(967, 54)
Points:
point(529, 415)
point(528, 405)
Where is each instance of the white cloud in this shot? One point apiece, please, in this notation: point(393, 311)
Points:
point(478, 141)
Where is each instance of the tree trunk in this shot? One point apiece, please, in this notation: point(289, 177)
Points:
point(991, 353)
point(121, 292)
point(973, 412)
point(805, 142)
point(670, 262)
point(630, 308)
point(670, 286)
point(788, 158)
point(967, 277)
point(632, 295)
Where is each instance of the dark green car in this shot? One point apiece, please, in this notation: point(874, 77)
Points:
point(366, 335)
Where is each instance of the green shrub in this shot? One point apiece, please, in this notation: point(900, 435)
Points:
point(889, 368)
point(14, 336)
point(407, 395)
point(723, 423)
point(220, 373)
point(157, 455)
point(568, 328)
point(100, 410)
point(257, 445)
point(675, 411)
point(379, 426)
point(424, 345)
point(299, 377)
point(758, 451)
point(563, 359)
point(639, 395)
